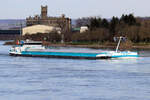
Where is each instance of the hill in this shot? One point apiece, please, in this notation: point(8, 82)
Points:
point(11, 23)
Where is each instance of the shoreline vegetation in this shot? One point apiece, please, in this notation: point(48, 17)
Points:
point(94, 45)
point(100, 34)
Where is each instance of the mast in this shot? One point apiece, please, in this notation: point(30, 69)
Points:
point(20, 28)
point(118, 44)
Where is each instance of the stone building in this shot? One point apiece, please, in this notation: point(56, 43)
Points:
point(63, 22)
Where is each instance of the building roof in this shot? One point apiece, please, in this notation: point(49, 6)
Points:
point(38, 29)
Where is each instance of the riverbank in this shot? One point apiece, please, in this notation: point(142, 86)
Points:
point(90, 45)
point(100, 46)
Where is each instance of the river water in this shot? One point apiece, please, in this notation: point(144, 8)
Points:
point(28, 78)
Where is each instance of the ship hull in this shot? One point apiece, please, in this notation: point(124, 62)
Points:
point(76, 55)
point(64, 55)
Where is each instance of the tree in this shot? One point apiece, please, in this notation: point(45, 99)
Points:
point(104, 23)
point(114, 22)
point(144, 34)
point(128, 19)
point(95, 23)
point(62, 24)
point(132, 32)
point(85, 21)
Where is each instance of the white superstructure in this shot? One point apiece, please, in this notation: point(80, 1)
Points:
point(27, 46)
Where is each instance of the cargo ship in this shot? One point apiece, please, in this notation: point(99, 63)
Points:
point(36, 49)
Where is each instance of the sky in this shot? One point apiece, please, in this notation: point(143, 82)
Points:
point(20, 9)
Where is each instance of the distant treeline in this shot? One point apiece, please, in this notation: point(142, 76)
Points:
point(102, 30)
point(134, 28)
point(9, 34)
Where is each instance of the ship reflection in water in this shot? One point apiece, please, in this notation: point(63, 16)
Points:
point(29, 78)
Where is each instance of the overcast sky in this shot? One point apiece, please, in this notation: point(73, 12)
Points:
point(20, 9)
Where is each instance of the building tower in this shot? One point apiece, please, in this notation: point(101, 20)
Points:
point(43, 12)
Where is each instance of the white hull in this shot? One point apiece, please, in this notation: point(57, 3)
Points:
point(124, 54)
